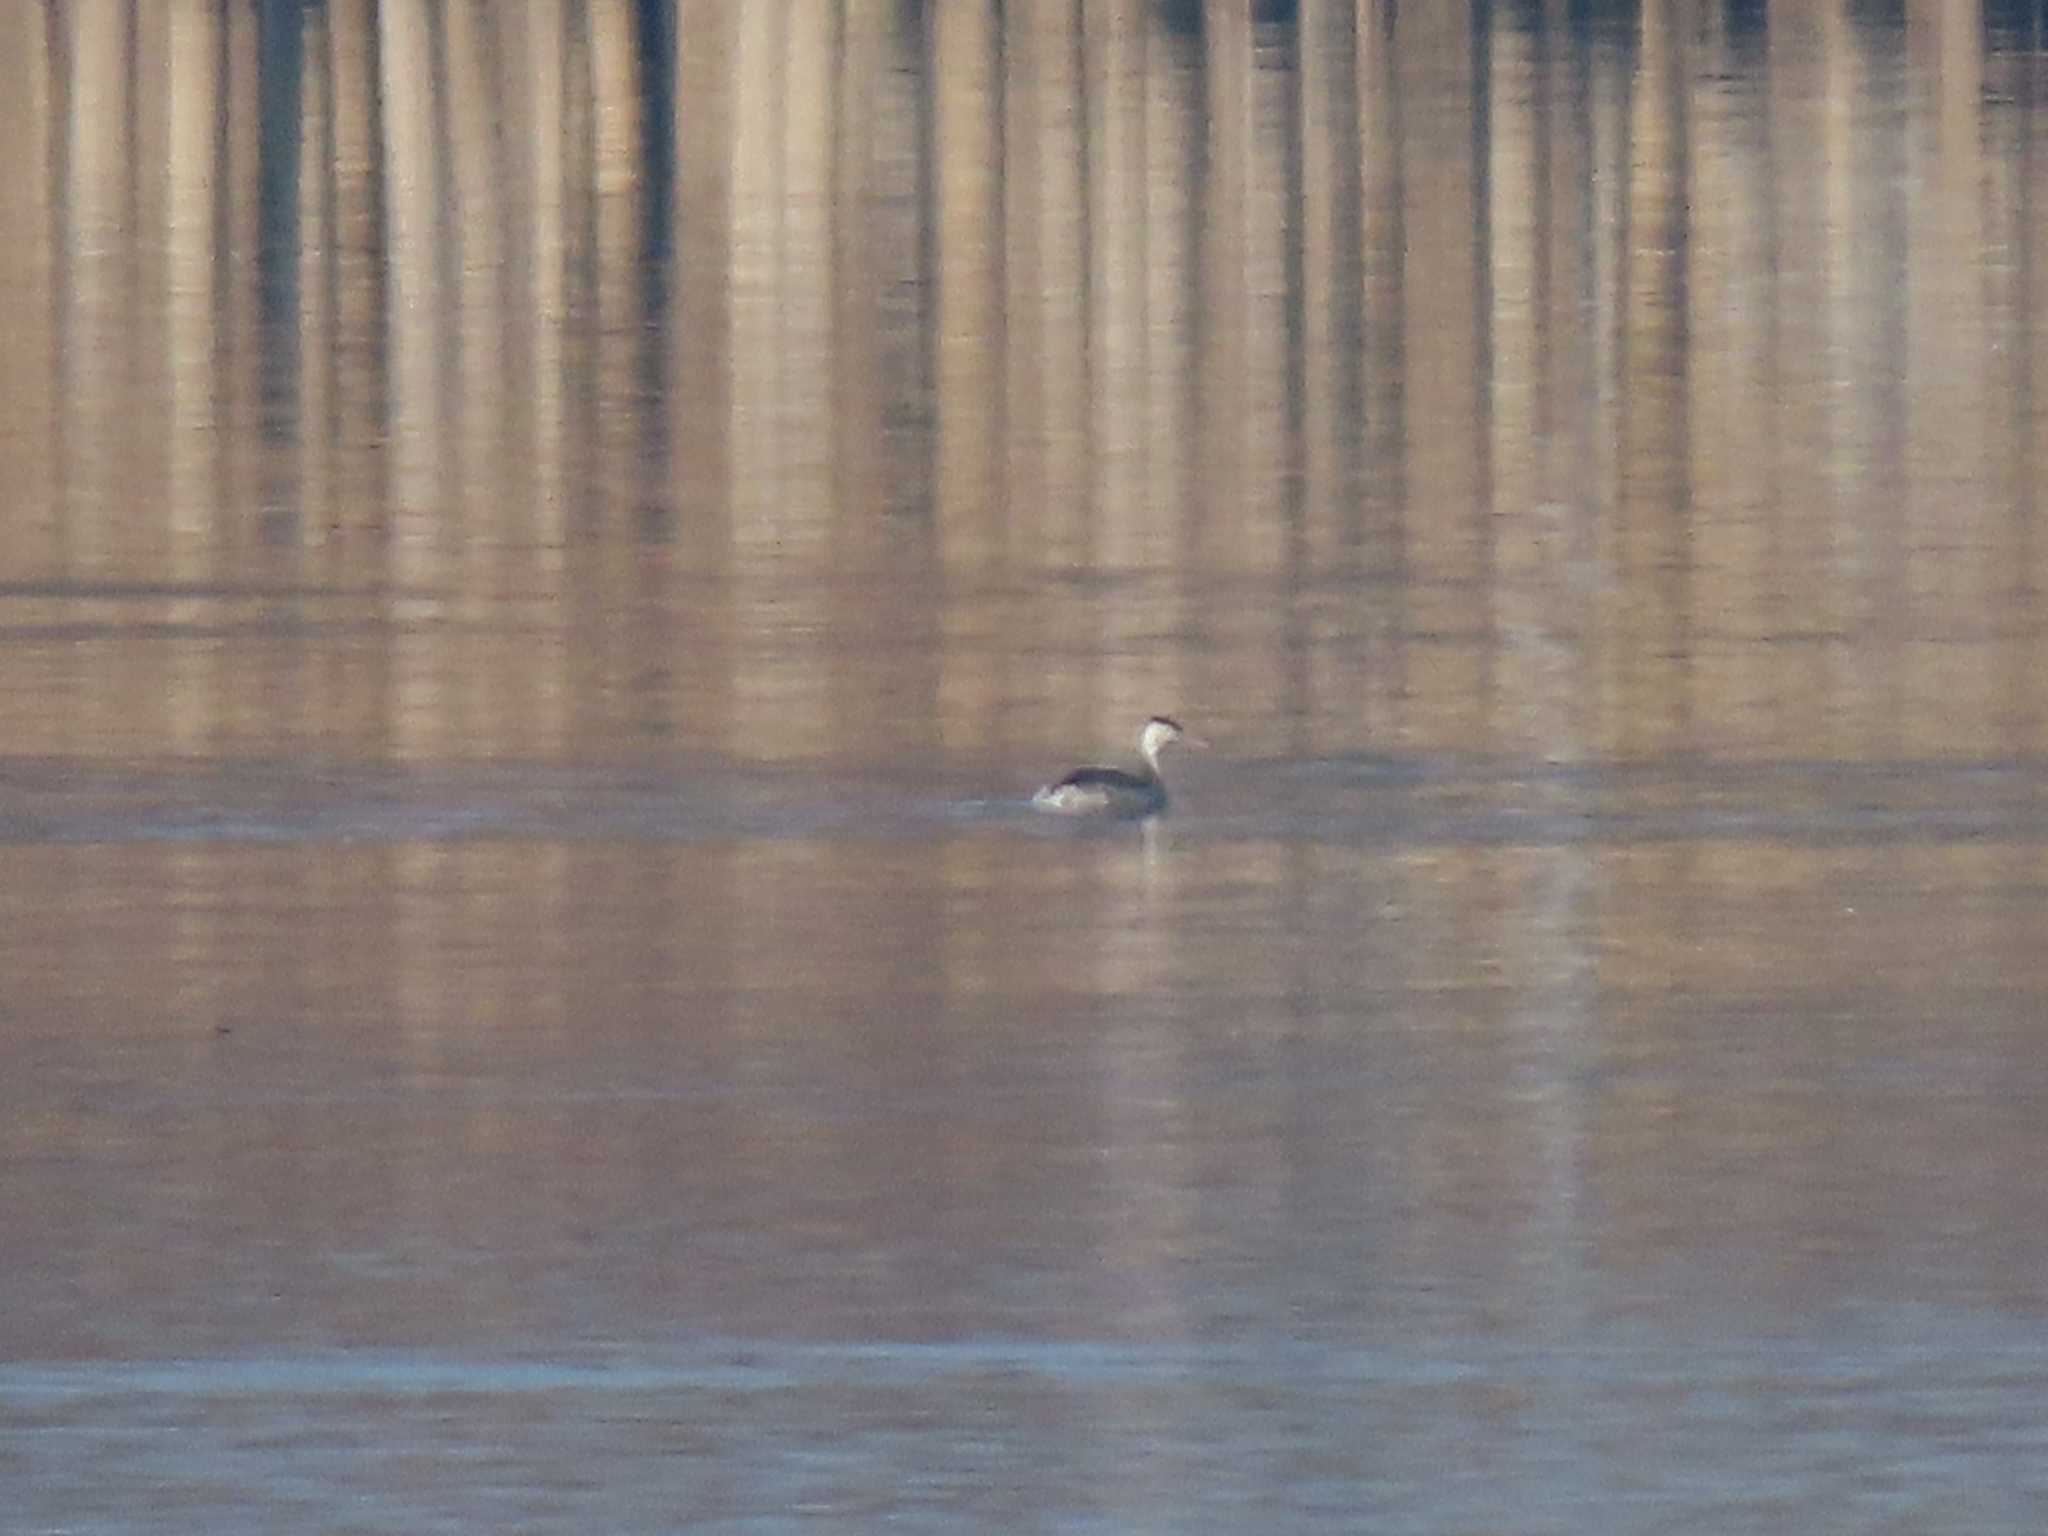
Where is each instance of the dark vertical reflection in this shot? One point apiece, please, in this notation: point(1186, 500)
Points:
point(1652, 537)
point(970, 333)
point(1328, 329)
point(1445, 537)
point(280, 47)
point(322, 205)
point(858, 249)
point(654, 42)
point(1221, 225)
point(1120, 250)
point(583, 486)
point(1176, 168)
point(281, 120)
point(1485, 359)
point(699, 403)
point(1383, 427)
point(63, 269)
point(654, 45)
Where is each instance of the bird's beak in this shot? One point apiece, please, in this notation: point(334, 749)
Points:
point(1194, 741)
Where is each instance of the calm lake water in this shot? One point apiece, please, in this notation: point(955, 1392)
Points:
point(546, 546)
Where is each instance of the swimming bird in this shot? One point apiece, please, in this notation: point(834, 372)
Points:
point(1117, 791)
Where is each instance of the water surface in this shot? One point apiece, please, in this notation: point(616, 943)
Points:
point(547, 547)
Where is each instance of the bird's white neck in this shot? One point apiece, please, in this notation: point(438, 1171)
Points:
point(1149, 744)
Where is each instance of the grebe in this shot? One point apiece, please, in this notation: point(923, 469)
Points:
point(1114, 791)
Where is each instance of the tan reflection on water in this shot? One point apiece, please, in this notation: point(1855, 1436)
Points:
point(544, 544)
point(1706, 441)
